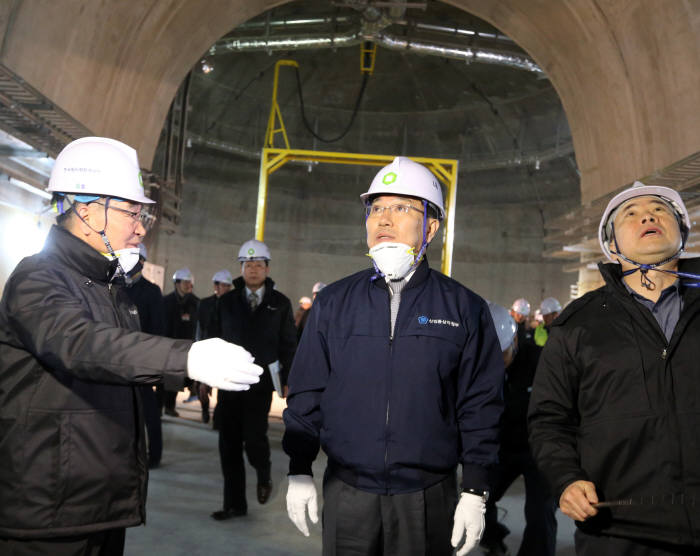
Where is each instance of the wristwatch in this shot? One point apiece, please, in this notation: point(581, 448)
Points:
point(483, 494)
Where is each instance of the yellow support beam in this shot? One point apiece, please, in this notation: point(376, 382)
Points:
point(272, 159)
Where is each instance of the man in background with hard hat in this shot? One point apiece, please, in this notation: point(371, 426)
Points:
point(208, 324)
point(300, 320)
point(181, 307)
point(520, 312)
point(549, 309)
point(615, 408)
point(398, 377)
point(72, 449)
point(540, 534)
point(257, 316)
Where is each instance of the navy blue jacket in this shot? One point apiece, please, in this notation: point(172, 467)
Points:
point(396, 416)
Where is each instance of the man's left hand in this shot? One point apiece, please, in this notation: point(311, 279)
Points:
point(469, 522)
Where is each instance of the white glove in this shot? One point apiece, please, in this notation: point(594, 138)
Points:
point(222, 364)
point(301, 494)
point(469, 522)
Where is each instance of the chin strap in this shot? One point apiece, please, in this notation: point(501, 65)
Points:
point(120, 270)
point(644, 269)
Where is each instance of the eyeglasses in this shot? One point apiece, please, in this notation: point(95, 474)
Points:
point(397, 209)
point(142, 216)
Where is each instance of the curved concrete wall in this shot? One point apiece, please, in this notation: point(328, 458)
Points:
point(626, 70)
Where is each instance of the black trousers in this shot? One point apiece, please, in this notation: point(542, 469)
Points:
point(540, 534)
point(242, 420)
point(154, 431)
point(362, 523)
point(593, 545)
point(104, 543)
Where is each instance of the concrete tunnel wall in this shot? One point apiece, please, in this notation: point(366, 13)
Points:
point(626, 73)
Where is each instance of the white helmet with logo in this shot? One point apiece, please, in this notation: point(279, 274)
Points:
point(98, 166)
point(253, 250)
point(223, 277)
point(550, 305)
point(506, 329)
point(183, 274)
point(639, 189)
point(521, 306)
point(406, 177)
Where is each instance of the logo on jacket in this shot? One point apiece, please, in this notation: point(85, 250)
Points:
point(423, 320)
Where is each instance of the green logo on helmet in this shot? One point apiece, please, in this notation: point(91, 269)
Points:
point(251, 251)
point(389, 178)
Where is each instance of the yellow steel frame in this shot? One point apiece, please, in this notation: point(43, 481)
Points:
point(273, 159)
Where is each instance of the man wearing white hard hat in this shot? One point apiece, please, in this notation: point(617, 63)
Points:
point(72, 446)
point(515, 460)
point(549, 309)
point(181, 308)
point(398, 376)
point(614, 415)
point(258, 317)
point(207, 325)
point(520, 311)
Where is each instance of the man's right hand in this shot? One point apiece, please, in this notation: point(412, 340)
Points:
point(576, 500)
point(222, 364)
point(301, 495)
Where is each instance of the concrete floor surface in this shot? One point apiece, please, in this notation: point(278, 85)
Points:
point(187, 487)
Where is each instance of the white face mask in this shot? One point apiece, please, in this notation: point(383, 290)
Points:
point(394, 260)
point(128, 258)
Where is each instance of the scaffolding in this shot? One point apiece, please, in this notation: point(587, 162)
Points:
point(273, 158)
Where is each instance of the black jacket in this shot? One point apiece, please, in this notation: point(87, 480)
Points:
point(72, 457)
point(181, 315)
point(208, 318)
point(149, 301)
point(617, 404)
point(268, 333)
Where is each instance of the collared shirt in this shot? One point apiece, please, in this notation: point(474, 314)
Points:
point(259, 293)
point(667, 310)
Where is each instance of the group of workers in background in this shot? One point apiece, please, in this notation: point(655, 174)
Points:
point(400, 375)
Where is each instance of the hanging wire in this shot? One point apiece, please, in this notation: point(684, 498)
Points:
point(352, 118)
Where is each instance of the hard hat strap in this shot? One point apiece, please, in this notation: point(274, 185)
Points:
point(120, 270)
point(645, 268)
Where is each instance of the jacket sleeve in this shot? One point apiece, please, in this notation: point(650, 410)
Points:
point(480, 400)
point(307, 383)
point(52, 323)
point(287, 341)
point(553, 419)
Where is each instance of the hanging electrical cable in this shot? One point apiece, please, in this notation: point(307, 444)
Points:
point(352, 118)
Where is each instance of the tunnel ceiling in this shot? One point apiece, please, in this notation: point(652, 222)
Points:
point(505, 125)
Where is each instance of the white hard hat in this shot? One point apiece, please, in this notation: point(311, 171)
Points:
point(98, 166)
point(638, 189)
point(253, 250)
point(521, 306)
point(406, 177)
point(223, 277)
point(143, 252)
point(318, 286)
point(550, 305)
point(506, 329)
point(183, 274)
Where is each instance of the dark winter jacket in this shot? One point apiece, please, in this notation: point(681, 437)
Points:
point(208, 317)
point(617, 404)
point(149, 301)
point(72, 457)
point(268, 333)
point(396, 416)
point(181, 315)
